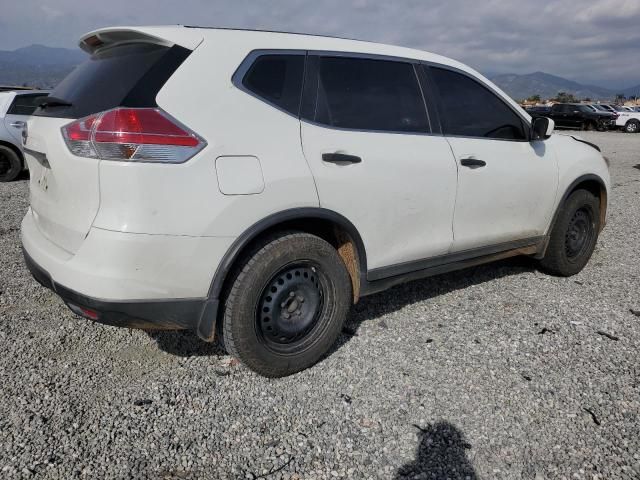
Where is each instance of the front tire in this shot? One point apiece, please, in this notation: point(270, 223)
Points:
point(574, 235)
point(287, 305)
point(10, 164)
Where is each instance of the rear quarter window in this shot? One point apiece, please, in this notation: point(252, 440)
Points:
point(277, 79)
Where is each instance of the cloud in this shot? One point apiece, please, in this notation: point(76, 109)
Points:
point(592, 41)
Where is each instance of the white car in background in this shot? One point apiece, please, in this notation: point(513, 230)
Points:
point(257, 184)
point(15, 108)
point(628, 119)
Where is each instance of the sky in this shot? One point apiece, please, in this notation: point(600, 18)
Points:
point(589, 41)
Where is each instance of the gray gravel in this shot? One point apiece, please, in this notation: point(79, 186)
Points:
point(495, 372)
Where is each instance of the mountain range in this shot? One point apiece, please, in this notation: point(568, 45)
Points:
point(548, 86)
point(37, 65)
point(43, 67)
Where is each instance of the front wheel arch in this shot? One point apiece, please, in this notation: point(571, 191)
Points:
point(590, 182)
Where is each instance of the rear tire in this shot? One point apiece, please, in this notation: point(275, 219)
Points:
point(632, 126)
point(287, 305)
point(574, 235)
point(10, 164)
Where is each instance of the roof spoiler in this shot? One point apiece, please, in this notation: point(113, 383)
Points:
point(104, 38)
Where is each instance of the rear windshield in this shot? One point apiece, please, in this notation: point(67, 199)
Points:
point(129, 75)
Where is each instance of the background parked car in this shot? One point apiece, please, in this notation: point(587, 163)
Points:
point(628, 120)
point(15, 108)
point(574, 115)
point(539, 110)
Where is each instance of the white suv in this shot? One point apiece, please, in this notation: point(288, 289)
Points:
point(257, 184)
point(628, 119)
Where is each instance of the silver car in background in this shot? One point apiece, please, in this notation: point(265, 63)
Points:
point(15, 108)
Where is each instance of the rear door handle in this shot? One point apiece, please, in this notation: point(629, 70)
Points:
point(340, 158)
point(18, 124)
point(472, 163)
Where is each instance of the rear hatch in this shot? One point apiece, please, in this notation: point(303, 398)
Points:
point(126, 67)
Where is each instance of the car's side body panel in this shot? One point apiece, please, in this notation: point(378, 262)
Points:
point(511, 198)
point(400, 197)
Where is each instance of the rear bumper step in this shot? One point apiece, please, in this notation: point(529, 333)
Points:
point(145, 314)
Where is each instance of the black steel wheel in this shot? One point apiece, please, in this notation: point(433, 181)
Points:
point(574, 235)
point(579, 232)
point(290, 306)
point(287, 304)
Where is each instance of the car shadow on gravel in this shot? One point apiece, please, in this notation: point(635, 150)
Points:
point(188, 344)
point(376, 306)
point(441, 453)
point(183, 343)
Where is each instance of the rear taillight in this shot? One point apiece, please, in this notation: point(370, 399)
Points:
point(132, 134)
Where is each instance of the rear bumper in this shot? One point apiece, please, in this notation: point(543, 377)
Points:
point(154, 314)
point(131, 280)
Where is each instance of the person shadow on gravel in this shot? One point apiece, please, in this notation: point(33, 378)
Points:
point(441, 454)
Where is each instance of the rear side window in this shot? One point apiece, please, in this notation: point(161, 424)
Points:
point(278, 80)
point(26, 104)
point(470, 109)
point(129, 75)
point(366, 94)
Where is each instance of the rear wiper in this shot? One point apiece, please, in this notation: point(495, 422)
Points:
point(55, 102)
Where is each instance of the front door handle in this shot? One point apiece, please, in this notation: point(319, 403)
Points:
point(340, 158)
point(18, 124)
point(472, 163)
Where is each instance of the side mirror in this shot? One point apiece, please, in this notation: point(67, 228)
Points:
point(542, 128)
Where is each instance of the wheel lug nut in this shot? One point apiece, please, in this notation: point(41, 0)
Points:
point(287, 316)
point(301, 299)
point(292, 294)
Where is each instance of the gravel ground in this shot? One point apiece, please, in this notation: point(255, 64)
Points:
point(495, 372)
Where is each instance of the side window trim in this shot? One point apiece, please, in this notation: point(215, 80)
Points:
point(311, 82)
point(526, 125)
point(431, 102)
point(246, 64)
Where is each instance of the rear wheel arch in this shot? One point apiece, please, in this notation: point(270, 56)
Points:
point(326, 224)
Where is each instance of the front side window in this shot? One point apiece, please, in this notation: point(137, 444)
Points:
point(277, 79)
point(26, 104)
point(470, 109)
point(367, 94)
